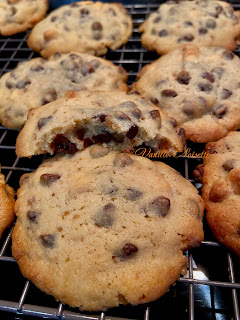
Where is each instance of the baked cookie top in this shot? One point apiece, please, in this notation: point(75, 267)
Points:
point(6, 204)
point(220, 175)
point(116, 212)
point(38, 81)
point(19, 15)
point(113, 118)
point(199, 87)
point(86, 26)
point(201, 22)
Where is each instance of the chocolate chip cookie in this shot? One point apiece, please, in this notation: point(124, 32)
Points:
point(19, 15)
point(200, 22)
point(113, 118)
point(99, 228)
point(38, 81)
point(220, 175)
point(199, 87)
point(85, 26)
point(6, 204)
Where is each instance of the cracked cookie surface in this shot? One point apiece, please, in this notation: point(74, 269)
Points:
point(113, 118)
point(6, 204)
point(201, 22)
point(19, 15)
point(220, 175)
point(101, 228)
point(199, 87)
point(38, 81)
point(91, 27)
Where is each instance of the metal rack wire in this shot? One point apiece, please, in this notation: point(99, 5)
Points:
point(211, 288)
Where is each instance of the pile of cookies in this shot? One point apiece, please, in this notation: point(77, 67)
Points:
point(97, 227)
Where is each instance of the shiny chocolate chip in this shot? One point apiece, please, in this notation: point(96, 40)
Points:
point(129, 249)
point(104, 137)
point(102, 117)
point(43, 121)
point(198, 172)
point(160, 206)
point(187, 37)
point(48, 240)
point(209, 76)
point(132, 132)
point(133, 194)
point(63, 144)
point(105, 216)
point(33, 216)
point(87, 142)
point(48, 179)
point(188, 23)
point(157, 19)
point(163, 33)
point(203, 30)
point(169, 93)
point(154, 100)
point(228, 165)
point(117, 137)
point(219, 111)
point(211, 24)
point(80, 133)
point(226, 94)
point(181, 133)
point(84, 12)
point(49, 96)
point(183, 77)
point(97, 26)
point(205, 87)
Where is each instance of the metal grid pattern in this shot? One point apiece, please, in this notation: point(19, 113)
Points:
point(211, 288)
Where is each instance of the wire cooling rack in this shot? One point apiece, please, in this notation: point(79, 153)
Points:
point(211, 288)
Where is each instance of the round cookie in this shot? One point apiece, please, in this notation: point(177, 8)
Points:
point(220, 175)
point(6, 204)
point(113, 118)
point(199, 87)
point(38, 81)
point(86, 26)
point(19, 15)
point(93, 235)
point(200, 22)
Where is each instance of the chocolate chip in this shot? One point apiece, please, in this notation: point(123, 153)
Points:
point(54, 18)
point(211, 24)
point(97, 26)
point(154, 100)
point(183, 77)
point(219, 71)
point(122, 161)
point(181, 133)
point(84, 12)
point(132, 132)
point(205, 87)
point(160, 205)
point(80, 133)
point(209, 76)
point(62, 144)
point(43, 121)
point(173, 122)
point(157, 19)
point(228, 55)
point(136, 113)
point(129, 249)
point(228, 12)
point(128, 104)
point(95, 63)
point(47, 179)
point(163, 33)
point(87, 142)
point(203, 31)
point(219, 111)
point(37, 68)
point(97, 35)
point(13, 10)
point(121, 116)
point(187, 37)
point(33, 216)
point(228, 165)
point(48, 240)
point(112, 11)
point(21, 84)
point(218, 9)
point(102, 117)
point(226, 94)
point(117, 137)
point(10, 84)
point(188, 108)
point(133, 194)
point(105, 216)
point(155, 114)
point(169, 93)
point(198, 172)
point(188, 23)
point(86, 68)
point(121, 70)
point(49, 96)
point(74, 5)
point(153, 32)
point(102, 138)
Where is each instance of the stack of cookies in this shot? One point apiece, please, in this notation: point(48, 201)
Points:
point(92, 214)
